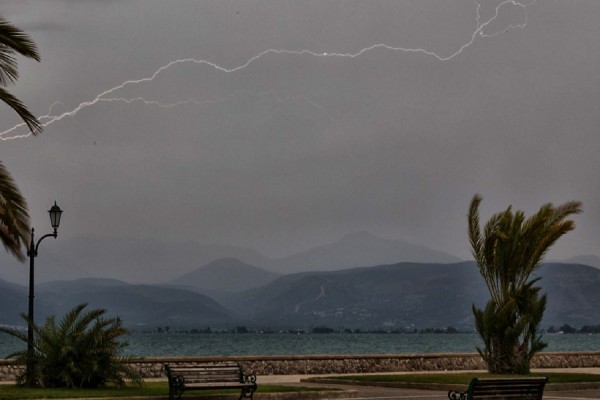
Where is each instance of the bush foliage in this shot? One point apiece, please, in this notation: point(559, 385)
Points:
point(82, 351)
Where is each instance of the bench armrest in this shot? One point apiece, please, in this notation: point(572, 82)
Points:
point(177, 382)
point(246, 377)
point(454, 395)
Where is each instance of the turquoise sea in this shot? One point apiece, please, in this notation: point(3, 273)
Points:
point(225, 344)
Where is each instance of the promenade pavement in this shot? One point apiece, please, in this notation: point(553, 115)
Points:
point(355, 392)
point(383, 393)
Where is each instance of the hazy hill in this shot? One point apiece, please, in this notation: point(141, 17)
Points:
point(400, 295)
point(133, 261)
point(13, 300)
point(138, 305)
point(588, 259)
point(152, 261)
point(226, 275)
point(573, 295)
point(397, 296)
point(359, 249)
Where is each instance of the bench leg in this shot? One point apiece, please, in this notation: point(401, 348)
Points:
point(247, 393)
point(175, 393)
point(176, 387)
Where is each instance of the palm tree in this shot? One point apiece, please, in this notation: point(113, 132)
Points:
point(81, 351)
point(14, 218)
point(508, 251)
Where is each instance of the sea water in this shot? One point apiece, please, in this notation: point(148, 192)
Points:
point(228, 344)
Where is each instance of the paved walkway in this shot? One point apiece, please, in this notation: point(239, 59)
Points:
point(276, 379)
point(375, 393)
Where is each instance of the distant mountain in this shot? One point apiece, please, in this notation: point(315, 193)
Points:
point(359, 249)
point(137, 305)
point(153, 262)
point(78, 285)
point(588, 259)
point(13, 300)
point(133, 261)
point(394, 296)
point(397, 296)
point(410, 294)
point(226, 275)
point(573, 295)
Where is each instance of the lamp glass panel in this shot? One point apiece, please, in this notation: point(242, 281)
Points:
point(55, 214)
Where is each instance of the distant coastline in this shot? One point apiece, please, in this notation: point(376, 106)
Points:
point(251, 344)
point(153, 367)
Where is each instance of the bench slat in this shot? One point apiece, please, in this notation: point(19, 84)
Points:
point(218, 385)
point(207, 373)
point(203, 379)
point(204, 371)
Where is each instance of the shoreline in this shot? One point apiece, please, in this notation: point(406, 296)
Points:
point(328, 364)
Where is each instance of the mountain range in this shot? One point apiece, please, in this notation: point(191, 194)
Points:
point(151, 261)
point(411, 294)
point(360, 281)
point(404, 295)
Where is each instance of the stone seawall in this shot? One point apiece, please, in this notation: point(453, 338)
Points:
point(152, 367)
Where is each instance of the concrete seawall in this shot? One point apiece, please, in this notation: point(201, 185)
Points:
point(152, 367)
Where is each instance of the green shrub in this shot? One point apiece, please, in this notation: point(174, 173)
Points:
point(82, 351)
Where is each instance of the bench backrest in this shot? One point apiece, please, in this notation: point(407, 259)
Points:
point(507, 388)
point(207, 373)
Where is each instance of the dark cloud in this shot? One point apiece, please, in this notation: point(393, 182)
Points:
point(296, 149)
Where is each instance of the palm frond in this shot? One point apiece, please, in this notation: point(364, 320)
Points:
point(474, 230)
point(17, 105)
point(13, 40)
point(14, 218)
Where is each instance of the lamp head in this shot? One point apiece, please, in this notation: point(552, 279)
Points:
point(55, 213)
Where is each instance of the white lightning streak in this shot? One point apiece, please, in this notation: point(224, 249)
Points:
point(208, 102)
point(49, 119)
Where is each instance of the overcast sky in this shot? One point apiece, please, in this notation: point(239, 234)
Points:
point(283, 124)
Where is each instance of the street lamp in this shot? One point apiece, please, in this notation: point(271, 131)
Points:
point(55, 214)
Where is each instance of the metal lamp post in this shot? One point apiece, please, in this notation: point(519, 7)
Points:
point(55, 214)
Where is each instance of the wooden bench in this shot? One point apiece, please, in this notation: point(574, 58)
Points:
point(228, 375)
point(502, 388)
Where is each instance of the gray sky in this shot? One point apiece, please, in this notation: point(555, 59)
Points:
point(301, 121)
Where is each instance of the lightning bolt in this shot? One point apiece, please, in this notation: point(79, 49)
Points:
point(237, 93)
point(49, 119)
